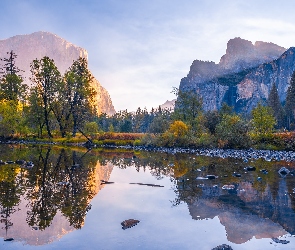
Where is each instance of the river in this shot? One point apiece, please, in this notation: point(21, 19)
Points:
point(71, 198)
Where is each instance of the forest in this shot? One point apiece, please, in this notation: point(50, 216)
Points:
point(62, 107)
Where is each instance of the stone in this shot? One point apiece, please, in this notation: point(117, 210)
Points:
point(129, 223)
point(276, 240)
point(283, 171)
point(222, 247)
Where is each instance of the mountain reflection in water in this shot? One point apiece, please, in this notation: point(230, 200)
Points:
point(40, 205)
point(252, 208)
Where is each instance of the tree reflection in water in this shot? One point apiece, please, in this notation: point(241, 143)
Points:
point(61, 180)
point(10, 192)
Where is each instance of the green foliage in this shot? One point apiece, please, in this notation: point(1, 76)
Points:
point(232, 132)
point(45, 75)
point(212, 118)
point(159, 124)
point(79, 94)
point(11, 119)
point(263, 120)
point(187, 107)
point(91, 128)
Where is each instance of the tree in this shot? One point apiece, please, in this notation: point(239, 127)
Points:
point(11, 88)
point(35, 113)
point(212, 118)
point(232, 132)
point(290, 102)
point(178, 129)
point(274, 103)
point(45, 76)
point(187, 106)
point(11, 119)
point(263, 120)
point(61, 106)
point(159, 124)
point(79, 93)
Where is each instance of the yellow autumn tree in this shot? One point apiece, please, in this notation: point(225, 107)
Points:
point(178, 129)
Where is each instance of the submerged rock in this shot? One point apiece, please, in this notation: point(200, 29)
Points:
point(276, 240)
point(20, 162)
point(283, 171)
point(228, 187)
point(236, 175)
point(222, 247)
point(250, 168)
point(129, 223)
point(211, 177)
point(9, 239)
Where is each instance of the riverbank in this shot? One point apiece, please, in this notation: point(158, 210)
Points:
point(244, 154)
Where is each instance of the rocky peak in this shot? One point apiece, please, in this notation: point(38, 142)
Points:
point(168, 105)
point(243, 76)
point(242, 54)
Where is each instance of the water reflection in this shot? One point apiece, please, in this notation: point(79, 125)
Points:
point(258, 203)
point(43, 203)
point(53, 197)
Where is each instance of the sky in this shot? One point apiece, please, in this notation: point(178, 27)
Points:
point(140, 49)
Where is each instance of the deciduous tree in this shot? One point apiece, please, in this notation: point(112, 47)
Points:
point(45, 77)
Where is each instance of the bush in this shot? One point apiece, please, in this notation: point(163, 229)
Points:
point(232, 132)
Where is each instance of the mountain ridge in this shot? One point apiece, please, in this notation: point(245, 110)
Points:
point(243, 81)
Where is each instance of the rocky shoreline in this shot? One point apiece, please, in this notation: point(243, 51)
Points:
point(244, 154)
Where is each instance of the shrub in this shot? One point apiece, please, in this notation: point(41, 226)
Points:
point(232, 132)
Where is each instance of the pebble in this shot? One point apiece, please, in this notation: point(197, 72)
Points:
point(246, 155)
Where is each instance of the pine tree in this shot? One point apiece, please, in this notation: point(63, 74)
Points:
point(188, 107)
point(11, 87)
point(290, 102)
point(274, 103)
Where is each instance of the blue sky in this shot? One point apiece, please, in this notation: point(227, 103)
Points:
point(140, 49)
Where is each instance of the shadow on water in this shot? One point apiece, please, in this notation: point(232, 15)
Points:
point(52, 197)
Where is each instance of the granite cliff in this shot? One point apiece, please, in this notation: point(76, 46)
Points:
point(243, 76)
point(40, 44)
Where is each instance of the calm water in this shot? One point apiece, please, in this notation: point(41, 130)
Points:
point(62, 201)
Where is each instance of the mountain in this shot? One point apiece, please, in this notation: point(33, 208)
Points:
point(168, 105)
point(40, 44)
point(243, 76)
